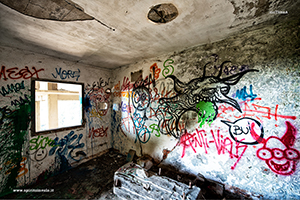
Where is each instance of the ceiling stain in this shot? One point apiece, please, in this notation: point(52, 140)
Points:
point(163, 13)
point(256, 8)
point(59, 10)
point(262, 7)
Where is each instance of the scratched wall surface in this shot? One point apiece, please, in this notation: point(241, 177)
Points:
point(26, 159)
point(227, 110)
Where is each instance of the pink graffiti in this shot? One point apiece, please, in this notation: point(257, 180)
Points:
point(226, 145)
point(277, 152)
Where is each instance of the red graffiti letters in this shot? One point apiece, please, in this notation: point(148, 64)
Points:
point(15, 73)
point(201, 139)
point(250, 110)
point(99, 132)
point(156, 69)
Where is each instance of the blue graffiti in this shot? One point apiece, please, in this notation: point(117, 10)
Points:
point(142, 132)
point(12, 88)
point(63, 74)
point(21, 101)
point(66, 146)
point(242, 94)
point(86, 103)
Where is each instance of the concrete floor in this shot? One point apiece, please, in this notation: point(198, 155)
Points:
point(94, 180)
point(90, 180)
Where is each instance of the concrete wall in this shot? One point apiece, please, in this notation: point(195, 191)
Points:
point(24, 158)
point(227, 110)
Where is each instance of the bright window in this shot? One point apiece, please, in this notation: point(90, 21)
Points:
point(58, 105)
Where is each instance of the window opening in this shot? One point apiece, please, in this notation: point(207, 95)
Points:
point(58, 106)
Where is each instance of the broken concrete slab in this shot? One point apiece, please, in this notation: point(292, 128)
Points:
point(145, 163)
point(130, 155)
point(133, 182)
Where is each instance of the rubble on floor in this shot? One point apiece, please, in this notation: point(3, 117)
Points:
point(134, 182)
point(94, 179)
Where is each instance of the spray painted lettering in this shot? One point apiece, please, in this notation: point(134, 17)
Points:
point(66, 147)
point(142, 132)
point(242, 94)
point(201, 138)
point(66, 74)
point(21, 101)
point(227, 69)
point(154, 68)
point(168, 69)
point(15, 73)
point(12, 88)
point(251, 110)
point(41, 142)
point(154, 127)
point(99, 132)
point(240, 130)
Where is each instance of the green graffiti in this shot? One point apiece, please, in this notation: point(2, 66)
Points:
point(155, 127)
point(41, 142)
point(166, 71)
point(14, 126)
point(206, 113)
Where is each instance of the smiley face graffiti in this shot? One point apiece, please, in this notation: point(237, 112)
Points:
point(278, 153)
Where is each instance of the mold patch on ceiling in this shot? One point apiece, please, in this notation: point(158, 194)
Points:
point(60, 10)
point(256, 8)
point(163, 13)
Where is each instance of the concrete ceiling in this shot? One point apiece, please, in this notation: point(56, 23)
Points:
point(112, 33)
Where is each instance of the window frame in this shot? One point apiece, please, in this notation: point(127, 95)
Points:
point(33, 109)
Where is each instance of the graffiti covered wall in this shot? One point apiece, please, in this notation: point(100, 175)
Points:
point(227, 110)
point(25, 158)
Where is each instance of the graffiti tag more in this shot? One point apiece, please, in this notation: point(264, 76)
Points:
point(64, 74)
point(16, 73)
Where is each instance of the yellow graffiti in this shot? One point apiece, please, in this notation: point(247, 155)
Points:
point(94, 113)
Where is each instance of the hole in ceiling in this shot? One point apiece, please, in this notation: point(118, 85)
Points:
point(163, 13)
